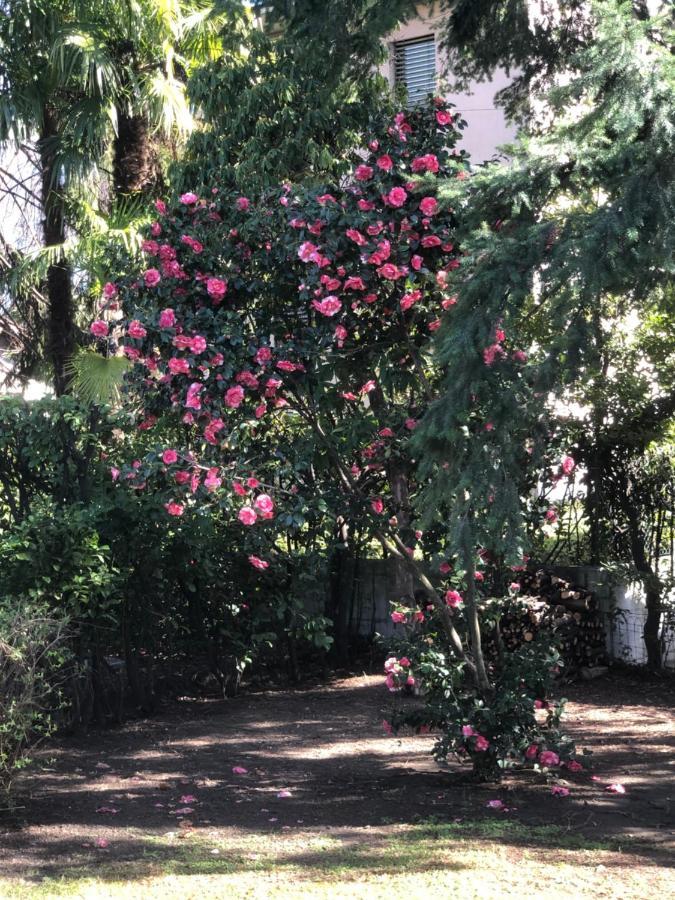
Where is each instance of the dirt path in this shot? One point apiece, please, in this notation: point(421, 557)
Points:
point(325, 746)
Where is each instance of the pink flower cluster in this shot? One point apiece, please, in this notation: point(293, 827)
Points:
point(398, 673)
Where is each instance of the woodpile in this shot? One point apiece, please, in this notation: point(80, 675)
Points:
point(569, 611)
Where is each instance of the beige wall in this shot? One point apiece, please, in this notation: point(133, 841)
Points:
point(486, 127)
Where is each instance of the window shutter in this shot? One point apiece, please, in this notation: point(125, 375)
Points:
point(415, 67)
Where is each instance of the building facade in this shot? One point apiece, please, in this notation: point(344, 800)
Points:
point(415, 60)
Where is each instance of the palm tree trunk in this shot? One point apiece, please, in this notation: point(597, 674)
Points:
point(60, 320)
point(135, 165)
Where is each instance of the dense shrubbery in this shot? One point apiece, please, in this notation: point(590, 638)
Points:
point(34, 656)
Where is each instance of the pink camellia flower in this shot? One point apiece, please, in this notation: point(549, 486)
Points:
point(99, 328)
point(405, 662)
point(179, 366)
point(514, 587)
point(481, 743)
point(411, 424)
point(198, 344)
point(152, 278)
point(427, 163)
point(444, 568)
point(258, 563)
point(435, 325)
point(365, 205)
point(447, 302)
point(368, 387)
point(329, 306)
point(167, 318)
point(574, 765)
point(174, 509)
point(101, 843)
point(260, 410)
point(243, 204)
point(182, 477)
point(247, 515)
point(355, 283)
point(431, 240)
point(348, 395)
point(496, 804)
point(408, 300)
point(192, 400)
point(263, 355)
point(468, 731)
point(398, 618)
point(390, 664)
point(239, 488)
point(169, 457)
point(212, 482)
point(150, 247)
point(377, 505)
point(396, 197)
point(355, 235)
point(391, 272)
point(548, 759)
point(160, 206)
point(252, 482)
point(216, 288)
point(615, 788)
point(559, 791)
point(341, 334)
point(264, 503)
point(478, 576)
point(568, 465)
point(114, 473)
point(540, 704)
point(188, 198)
point(551, 516)
point(443, 117)
point(429, 206)
point(109, 290)
point(453, 599)
point(532, 751)
point(363, 173)
point(385, 162)
point(234, 397)
point(386, 433)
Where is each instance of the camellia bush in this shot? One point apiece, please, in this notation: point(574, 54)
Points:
point(285, 344)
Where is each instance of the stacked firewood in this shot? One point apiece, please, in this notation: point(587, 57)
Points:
point(549, 602)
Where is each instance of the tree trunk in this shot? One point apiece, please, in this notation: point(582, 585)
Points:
point(135, 166)
point(403, 587)
point(61, 322)
point(651, 584)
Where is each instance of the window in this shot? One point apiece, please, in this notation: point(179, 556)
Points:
point(415, 67)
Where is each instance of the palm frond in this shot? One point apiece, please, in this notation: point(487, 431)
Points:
point(95, 378)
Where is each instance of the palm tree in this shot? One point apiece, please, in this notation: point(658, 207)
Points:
point(93, 87)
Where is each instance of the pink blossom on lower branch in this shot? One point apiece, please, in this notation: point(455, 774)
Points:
point(258, 563)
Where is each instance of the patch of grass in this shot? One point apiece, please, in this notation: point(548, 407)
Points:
point(472, 859)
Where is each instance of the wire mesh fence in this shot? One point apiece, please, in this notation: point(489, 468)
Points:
point(625, 641)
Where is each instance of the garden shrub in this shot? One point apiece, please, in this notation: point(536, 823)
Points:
point(34, 656)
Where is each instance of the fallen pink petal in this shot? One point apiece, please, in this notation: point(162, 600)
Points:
point(615, 788)
point(239, 770)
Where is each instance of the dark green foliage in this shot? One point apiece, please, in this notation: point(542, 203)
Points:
point(562, 247)
point(291, 100)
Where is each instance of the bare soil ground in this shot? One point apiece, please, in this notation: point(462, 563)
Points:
point(325, 746)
